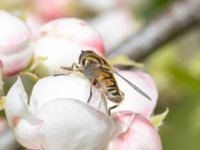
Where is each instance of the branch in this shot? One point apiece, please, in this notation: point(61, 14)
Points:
point(178, 18)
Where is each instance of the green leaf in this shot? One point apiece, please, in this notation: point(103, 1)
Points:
point(157, 120)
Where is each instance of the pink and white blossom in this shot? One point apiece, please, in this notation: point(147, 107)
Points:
point(15, 53)
point(61, 41)
point(58, 109)
point(58, 115)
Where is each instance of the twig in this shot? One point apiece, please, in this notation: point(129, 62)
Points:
point(176, 19)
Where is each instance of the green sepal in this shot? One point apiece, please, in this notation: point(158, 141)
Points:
point(157, 120)
point(33, 77)
point(35, 62)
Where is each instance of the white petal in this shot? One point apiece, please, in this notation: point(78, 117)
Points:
point(16, 34)
point(19, 117)
point(134, 101)
point(61, 42)
point(69, 86)
point(74, 125)
point(58, 52)
point(139, 134)
point(16, 101)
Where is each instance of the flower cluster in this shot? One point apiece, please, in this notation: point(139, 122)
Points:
point(57, 115)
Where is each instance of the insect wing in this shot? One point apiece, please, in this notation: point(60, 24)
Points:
point(133, 86)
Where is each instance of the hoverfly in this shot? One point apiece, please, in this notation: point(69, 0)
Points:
point(101, 74)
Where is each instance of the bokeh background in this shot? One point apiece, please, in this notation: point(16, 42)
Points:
point(174, 64)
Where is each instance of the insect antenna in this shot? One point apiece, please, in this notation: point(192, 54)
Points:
point(132, 85)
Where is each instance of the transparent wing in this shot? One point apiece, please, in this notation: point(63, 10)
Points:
point(132, 85)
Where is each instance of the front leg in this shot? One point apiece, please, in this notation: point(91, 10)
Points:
point(90, 96)
point(73, 68)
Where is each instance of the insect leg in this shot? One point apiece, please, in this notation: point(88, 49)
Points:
point(59, 74)
point(74, 67)
point(89, 98)
point(113, 107)
point(70, 69)
point(93, 82)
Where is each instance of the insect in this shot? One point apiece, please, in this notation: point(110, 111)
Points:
point(101, 74)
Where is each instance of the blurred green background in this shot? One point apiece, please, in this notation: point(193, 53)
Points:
point(176, 69)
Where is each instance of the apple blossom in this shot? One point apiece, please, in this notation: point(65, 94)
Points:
point(61, 41)
point(15, 38)
point(58, 109)
point(58, 116)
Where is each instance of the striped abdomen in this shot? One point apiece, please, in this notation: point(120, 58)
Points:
point(109, 85)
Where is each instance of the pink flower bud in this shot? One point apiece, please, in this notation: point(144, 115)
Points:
point(14, 40)
point(137, 133)
point(61, 42)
